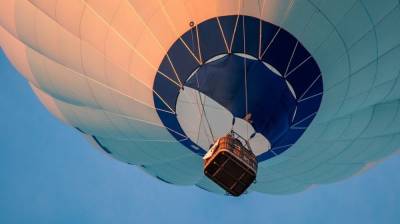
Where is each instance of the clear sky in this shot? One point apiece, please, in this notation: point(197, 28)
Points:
point(50, 174)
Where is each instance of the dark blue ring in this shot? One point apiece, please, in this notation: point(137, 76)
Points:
point(305, 76)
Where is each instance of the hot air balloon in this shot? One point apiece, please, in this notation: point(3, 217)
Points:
point(307, 92)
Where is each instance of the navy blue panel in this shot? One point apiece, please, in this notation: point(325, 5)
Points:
point(290, 137)
point(167, 90)
point(166, 69)
point(265, 156)
point(307, 107)
point(300, 55)
point(268, 32)
point(279, 150)
point(238, 41)
point(252, 34)
point(303, 76)
point(269, 99)
point(228, 26)
point(223, 81)
point(169, 121)
point(276, 127)
point(211, 40)
point(304, 122)
point(190, 38)
point(314, 90)
point(277, 55)
point(183, 61)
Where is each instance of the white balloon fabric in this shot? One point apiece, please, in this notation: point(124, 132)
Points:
point(131, 74)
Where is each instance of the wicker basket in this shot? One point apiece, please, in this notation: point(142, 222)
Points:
point(230, 165)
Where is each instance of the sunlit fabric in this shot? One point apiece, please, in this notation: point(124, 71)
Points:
point(125, 74)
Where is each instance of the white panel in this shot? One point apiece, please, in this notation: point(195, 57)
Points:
point(49, 102)
point(300, 9)
point(384, 115)
point(177, 15)
point(336, 10)
point(145, 8)
point(250, 8)
point(161, 29)
point(106, 9)
point(329, 173)
point(186, 171)
point(378, 93)
point(145, 152)
point(69, 15)
point(197, 122)
point(308, 161)
point(364, 150)
point(243, 128)
point(379, 9)
point(219, 118)
point(117, 51)
point(127, 23)
point(276, 11)
point(354, 24)
point(259, 144)
point(93, 63)
point(363, 52)
point(394, 93)
point(281, 186)
point(359, 121)
point(331, 59)
point(362, 80)
point(332, 100)
point(47, 6)
point(70, 53)
point(388, 35)
point(317, 31)
point(93, 28)
point(7, 18)
point(16, 53)
point(111, 125)
point(123, 83)
point(202, 10)
point(47, 36)
point(25, 16)
point(57, 80)
point(388, 66)
point(335, 129)
point(352, 104)
point(337, 71)
point(228, 7)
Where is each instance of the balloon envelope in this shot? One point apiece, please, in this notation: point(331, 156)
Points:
point(313, 85)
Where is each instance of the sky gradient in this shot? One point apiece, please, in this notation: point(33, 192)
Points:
point(50, 174)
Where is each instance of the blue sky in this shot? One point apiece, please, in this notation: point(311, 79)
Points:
point(50, 174)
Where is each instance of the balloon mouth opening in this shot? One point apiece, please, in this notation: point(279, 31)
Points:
point(260, 71)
